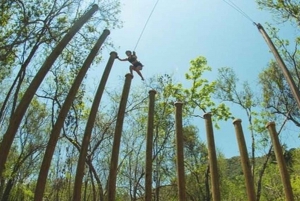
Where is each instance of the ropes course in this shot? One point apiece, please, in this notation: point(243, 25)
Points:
point(16, 119)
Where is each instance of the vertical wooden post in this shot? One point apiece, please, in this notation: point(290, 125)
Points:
point(17, 116)
point(117, 139)
point(42, 178)
point(281, 163)
point(281, 64)
point(213, 166)
point(180, 153)
point(89, 128)
point(149, 147)
point(244, 159)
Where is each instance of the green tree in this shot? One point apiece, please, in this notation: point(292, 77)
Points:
point(196, 165)
point(25, 159)
point(295, 178)
point(276, 92)
point(283, 10)
point(199, 97)
point(227, 90)
point(277, 95)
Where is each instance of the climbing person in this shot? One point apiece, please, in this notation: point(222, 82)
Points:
point(136, 65)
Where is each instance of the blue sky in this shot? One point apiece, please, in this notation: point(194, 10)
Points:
point(179, 31)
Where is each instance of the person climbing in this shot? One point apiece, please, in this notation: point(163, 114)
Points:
point(136, 65)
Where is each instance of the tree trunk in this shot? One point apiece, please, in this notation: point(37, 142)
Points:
point(207, 184)
point(7, 190)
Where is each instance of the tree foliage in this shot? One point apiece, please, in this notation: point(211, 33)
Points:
point(284, 11)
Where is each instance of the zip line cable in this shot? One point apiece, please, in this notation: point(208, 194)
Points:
point(229, 2)
point(145, 25)
point(234, 6)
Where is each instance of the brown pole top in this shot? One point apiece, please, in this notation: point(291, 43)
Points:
point(95, 6)
point(270, 124)
point(106, 31)
point(178, 103)
point(236, 121)
point(113, 53)
point(152, 91)
point(207, 115)
point(129, 75)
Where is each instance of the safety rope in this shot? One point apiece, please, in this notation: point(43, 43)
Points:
point(145, 25)
point(234, 6)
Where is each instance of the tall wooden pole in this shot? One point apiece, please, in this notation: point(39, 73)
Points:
point(180, 153)
point(281, 64)
point(54, 135)
point(213, 166)
point(89, 128)
point(149, 147)
point(244, 160)
point(111, 194)
point(281, 162)
point(34, 85)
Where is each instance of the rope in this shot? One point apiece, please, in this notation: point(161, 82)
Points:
point(145, 25)
point(234, 6)
point(229, 2)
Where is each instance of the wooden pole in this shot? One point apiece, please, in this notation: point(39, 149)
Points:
point(89, 128)
point(180, 153)
point(281, 162)
point(149, 147)
point(42, 178)
point(244, 160)
point(17, 116)
point(213, 166)
point(111, 194)
point(281, 64)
